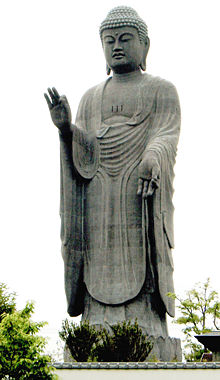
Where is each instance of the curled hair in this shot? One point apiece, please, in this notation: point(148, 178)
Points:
point(124, 16)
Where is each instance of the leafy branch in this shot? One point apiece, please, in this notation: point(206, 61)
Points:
point(199, 314)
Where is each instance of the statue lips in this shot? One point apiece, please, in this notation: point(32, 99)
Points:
point(118, 55)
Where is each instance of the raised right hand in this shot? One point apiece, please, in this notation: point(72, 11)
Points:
point(59, 110)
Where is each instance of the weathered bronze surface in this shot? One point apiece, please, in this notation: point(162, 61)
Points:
point(116, 187)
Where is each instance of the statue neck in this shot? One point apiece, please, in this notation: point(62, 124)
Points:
point(133, 76)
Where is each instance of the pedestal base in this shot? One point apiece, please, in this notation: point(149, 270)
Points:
point(164, 350)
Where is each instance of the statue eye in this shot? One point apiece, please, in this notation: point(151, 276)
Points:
point(109, 40)
point(126, 37)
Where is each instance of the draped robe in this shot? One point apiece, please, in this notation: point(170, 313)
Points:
point(114, 242)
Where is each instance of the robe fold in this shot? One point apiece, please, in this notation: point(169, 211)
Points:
point(113, 242)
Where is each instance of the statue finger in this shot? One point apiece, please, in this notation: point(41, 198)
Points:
point(156, 173)
point(145, 189)
point(155, 182)
point(56, 93)
point(63, 99)
point(140, 186)
point(50, 105)
point(53, 98)
point(152, 186)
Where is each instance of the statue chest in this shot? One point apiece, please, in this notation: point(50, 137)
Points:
point(119, 103)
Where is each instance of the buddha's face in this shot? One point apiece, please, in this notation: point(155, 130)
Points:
point(123, 49)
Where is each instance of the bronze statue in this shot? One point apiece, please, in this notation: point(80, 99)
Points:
point(116, 186)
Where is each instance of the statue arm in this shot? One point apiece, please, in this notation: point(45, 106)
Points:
point(61, 116)
point(162, 145)
point(166, 123)
point(80, 150)
point(85, 146)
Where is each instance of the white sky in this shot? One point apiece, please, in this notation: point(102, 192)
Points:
point(56, 43)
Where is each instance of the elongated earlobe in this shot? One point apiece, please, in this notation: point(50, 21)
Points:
point(145, 51)
point(143, 66)
point(108, 70)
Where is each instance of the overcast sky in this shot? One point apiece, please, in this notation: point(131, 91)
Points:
point(56, 43)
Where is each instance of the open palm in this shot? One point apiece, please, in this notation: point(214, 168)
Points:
point(59, 109)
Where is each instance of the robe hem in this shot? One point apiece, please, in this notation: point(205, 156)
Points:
point(113, 301)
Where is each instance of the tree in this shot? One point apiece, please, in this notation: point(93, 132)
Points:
point(21, 349)
point(199, 314)
point(7, 301)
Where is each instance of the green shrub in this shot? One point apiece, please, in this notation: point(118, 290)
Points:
point(21, 350)
point(80, 339)
point(125, 343)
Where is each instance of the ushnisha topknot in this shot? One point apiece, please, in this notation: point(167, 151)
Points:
point(124, 16)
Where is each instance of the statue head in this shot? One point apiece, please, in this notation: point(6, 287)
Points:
point(125, 40)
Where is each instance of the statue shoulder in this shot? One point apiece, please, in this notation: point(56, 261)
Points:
point(161, 90)
point(86, 106)
point(90, 93)
point(157, 82)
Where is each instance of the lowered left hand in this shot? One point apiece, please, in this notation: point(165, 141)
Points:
point(149, 176)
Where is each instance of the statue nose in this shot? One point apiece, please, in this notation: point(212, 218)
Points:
point(117, 46)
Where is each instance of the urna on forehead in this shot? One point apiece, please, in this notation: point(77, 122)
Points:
point(124, 16)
